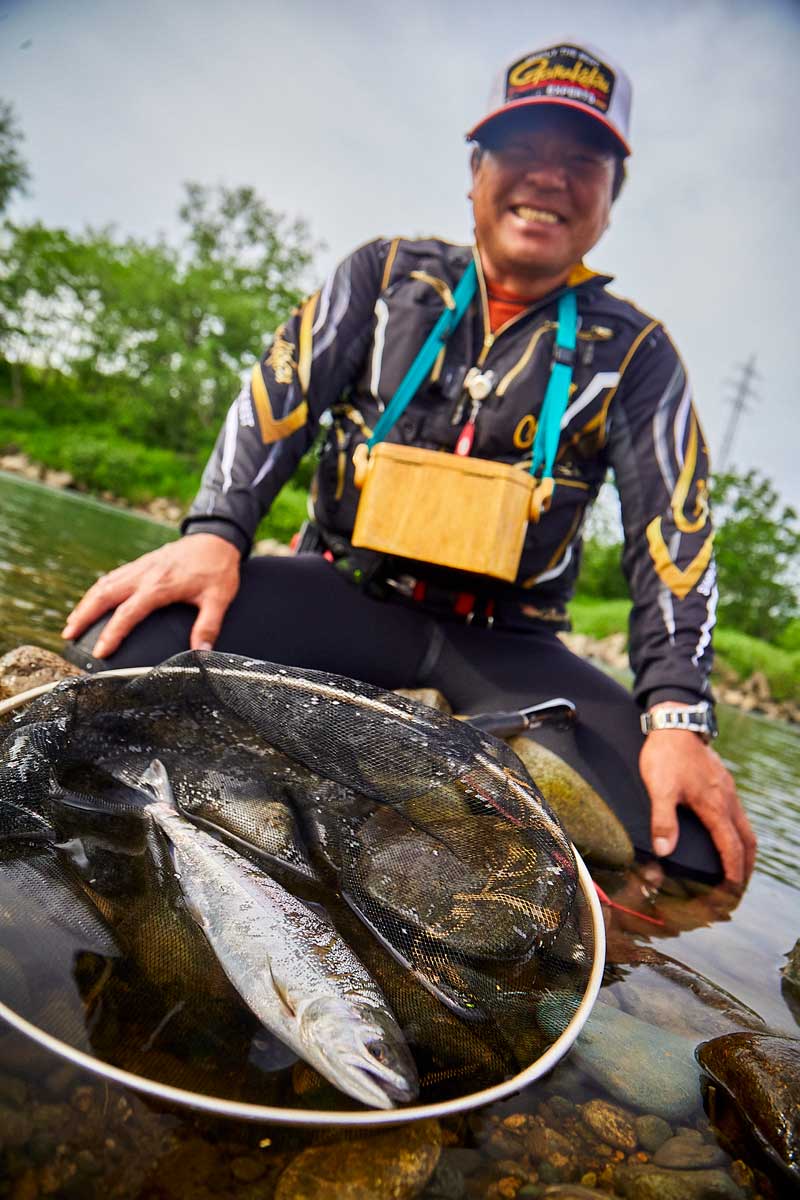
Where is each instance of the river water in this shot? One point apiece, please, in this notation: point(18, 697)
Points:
point(54, 544)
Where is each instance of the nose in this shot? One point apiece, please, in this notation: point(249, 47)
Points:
point(549, 175)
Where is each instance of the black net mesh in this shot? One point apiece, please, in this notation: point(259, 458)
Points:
point(423, 841)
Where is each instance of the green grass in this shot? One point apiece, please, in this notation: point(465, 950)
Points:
point(599, 618)
point(738, 651)
point(745, 654)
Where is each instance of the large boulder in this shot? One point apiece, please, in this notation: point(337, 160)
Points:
point(592, 826)
point(760, 1073)
point(29, 667)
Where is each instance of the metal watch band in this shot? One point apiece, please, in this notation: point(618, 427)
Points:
point(699, 720)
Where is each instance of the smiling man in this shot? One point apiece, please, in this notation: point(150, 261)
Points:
point(521, 355)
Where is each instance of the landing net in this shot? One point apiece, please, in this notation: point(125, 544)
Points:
point(423, 840)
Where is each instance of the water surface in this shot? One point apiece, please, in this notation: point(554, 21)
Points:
point(55, 544)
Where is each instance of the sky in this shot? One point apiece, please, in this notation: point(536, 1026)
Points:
point(352, 115)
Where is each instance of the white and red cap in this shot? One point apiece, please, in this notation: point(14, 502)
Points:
point(578, 77)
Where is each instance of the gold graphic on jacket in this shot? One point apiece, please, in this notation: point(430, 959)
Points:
point(281, 359)
point(681, 581)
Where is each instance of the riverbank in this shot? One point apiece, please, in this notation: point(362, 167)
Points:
point(749, 674)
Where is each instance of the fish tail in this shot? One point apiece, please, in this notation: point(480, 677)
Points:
point(156, 780)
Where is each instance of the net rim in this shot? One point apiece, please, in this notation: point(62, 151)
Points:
point(241, 1110)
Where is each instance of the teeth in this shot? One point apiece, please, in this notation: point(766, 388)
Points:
point(536, 214)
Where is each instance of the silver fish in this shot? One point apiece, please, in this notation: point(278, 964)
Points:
point(287, 962)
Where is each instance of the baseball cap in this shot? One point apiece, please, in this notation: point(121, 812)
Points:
point(575, 76)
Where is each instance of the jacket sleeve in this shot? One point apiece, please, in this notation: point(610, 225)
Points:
point(274, 419)
point(660, 460)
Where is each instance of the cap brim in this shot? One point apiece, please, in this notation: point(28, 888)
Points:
point(552, 100)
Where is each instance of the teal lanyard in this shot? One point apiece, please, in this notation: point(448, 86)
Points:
point(556, 398)
point(545, 446)
point(422, 364)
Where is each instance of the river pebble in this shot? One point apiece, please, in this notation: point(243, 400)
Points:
point(659, 1183)
point(15, 1127)
point(652, 1131)
point(688, 1152)
point(611, 1124)
point(645, 1068)
point(388, 1166)
point(246, 1168)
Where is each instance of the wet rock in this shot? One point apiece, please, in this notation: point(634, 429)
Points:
point(15, 1127)
point(610, 1124)
point(658, 1183)
point(191, 1171)
point(446, 1183)
point(26, 1186)
point(13, 1091)
point(590, 823)
point(761, 1075)
point(672, 996)
point(647, 1068)
point(246, 1168)
point(552, 1151)
point(568, 1191)
point(652, 1132)
point(387, 1166)
point(430, 696)
point(30, 667)
point(58, 479)
point(688, 1152)
point(791, 969)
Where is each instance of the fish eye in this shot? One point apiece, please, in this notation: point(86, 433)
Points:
point(377, 1051)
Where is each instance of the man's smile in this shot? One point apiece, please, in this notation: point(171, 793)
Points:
point(536, 216)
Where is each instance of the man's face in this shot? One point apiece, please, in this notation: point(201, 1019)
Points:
point(541, 192)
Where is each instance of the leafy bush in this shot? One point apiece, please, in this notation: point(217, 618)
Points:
point(747, 654)
point(756, 549)
point(601, 571)
point(599, 618)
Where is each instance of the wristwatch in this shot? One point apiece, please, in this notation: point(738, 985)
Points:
point(698, 719)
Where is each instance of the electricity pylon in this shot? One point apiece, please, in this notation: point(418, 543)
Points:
point(743, 392)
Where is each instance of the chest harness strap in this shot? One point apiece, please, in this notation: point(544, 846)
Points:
point(548, 429)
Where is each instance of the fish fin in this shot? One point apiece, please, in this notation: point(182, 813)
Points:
point(155, 778)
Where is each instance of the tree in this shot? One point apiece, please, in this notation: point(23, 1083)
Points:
point(756, 548)
point(157, 336)
point(14, 174)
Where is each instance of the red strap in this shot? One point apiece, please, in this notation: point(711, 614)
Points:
point(465, 440)
point(464, 604)
point(604, 899)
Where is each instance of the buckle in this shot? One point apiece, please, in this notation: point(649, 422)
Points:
point(567, 358)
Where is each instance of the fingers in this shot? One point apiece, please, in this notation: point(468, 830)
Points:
point(100, 597)
point(685, 772)
point(664, 829)
point(205, 630)
point(109, 591)
point(126, 617)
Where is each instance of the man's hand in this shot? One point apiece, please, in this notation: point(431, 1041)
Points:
point(678, 768)
point(200, 569)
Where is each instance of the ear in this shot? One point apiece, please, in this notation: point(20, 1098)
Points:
point(474, 166)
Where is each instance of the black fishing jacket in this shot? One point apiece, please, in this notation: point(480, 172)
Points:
point(345, 352)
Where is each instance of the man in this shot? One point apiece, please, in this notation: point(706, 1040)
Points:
point(547, 163)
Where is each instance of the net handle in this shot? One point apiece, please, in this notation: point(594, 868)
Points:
point(242, 1111)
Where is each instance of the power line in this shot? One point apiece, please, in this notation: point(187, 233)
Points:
point(743, 392)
